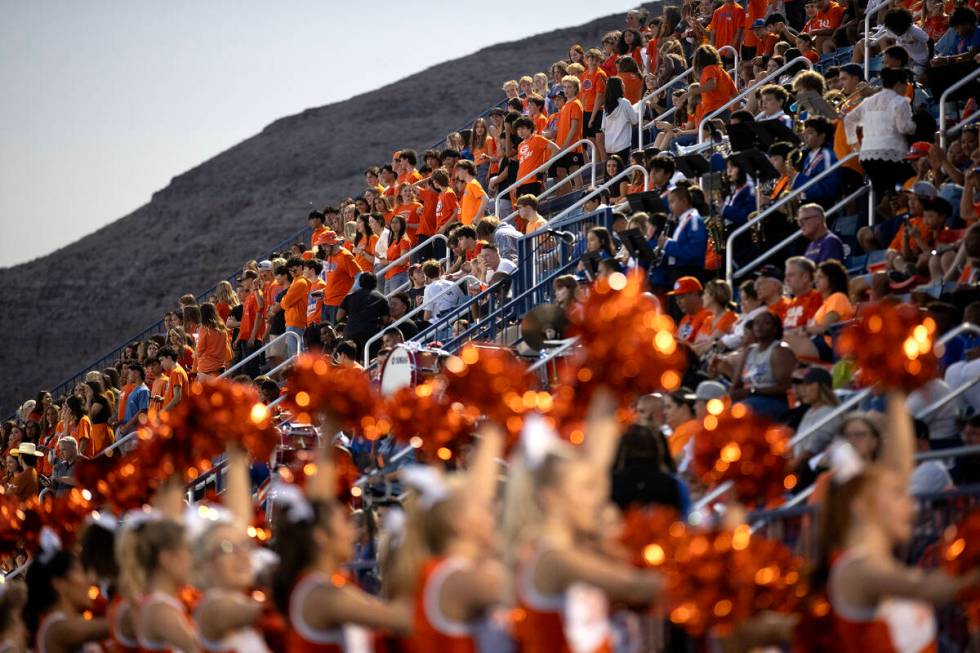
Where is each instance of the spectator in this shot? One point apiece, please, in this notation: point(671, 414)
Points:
point(824, 244)
point(501, 234)
point(805, 300)
point(137, 401)
point(62, 474)
point(726, 25)
point(640, 476)
point(717, 300)
point(399, 306)
point(687, 292)
point(532, 152)
point(679, 412)
point(497, 269)
point(295, 302)
point(399, 244)
point(885, 119)
point(26, 483)
point(929, 476)
point(346, 355)
point(177, 383)
point(685, 248)
point(814, 390)
point(751, 306)
point(527, 209)
point(944, 431)
point(649, 412)
point(817, 133)
point(715, 88)
point(569, 129)
point(962, 42)
point(617, 120)
point(966, 471)
point(763, 374)
point(441, 295)
point(340, 269)
point(364, 310)
point(473, 203)
point(213, 344)
point(78, 424)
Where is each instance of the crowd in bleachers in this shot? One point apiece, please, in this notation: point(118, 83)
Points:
point(432, 230)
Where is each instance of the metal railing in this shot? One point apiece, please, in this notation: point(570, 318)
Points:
point(748, 267)
point(868, 13)
point(730, 243)
point(847, 405)
point(407, 316)
point(652, 94)
point(942, 105)
point(262, 349)
point(431, 240)
point(552, 188)
point(556, 221)
point(751, 89)
point(729, 48)
point(544, 166)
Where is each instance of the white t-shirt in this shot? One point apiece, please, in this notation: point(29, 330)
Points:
point(616, 126)
point(439, 296)
point(915, 41)
point(506, 266)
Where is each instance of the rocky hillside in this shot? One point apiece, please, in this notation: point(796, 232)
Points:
point(62, 311)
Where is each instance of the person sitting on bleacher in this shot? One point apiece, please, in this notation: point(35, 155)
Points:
point(824, 244)
point(685, 248)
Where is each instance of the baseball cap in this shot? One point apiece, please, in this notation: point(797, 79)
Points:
point(686, 285)
point(496, 111)
point(918, 150)
point(326, 239)
point(708, 390)
point(815, 374)
point(924, 189)
point(265, 265)
point(769, 272)
point(854, 70)
point(758, 22)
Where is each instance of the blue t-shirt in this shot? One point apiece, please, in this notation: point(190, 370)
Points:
point(963, 44)
point(137, 401)
point(827, 247)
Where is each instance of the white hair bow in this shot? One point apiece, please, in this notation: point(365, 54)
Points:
point(198, 518)
point(290, 496)
point(393, 525)
point(427, 482)
point(50, 545)
point(106, 520)
point(538, 439)
point(845, 462)
point(136, 518)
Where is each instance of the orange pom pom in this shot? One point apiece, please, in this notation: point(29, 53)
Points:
point(345, 394)
point(746, 449)
point(892, 345)
point(423, 417)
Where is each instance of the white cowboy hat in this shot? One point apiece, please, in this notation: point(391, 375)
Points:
point(26, 449)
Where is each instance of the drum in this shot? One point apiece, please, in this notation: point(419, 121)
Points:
point(409, 364)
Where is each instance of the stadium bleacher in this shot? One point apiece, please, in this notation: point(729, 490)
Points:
point(806, 163)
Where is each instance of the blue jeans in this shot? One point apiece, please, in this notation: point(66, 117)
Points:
point(291, 346)
point(395, 282)
point(771, 407)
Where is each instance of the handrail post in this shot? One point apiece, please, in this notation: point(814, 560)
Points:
point(729, 263)
point(287, 335)
point(734, 52)
point(544, 166)
point(751, 89)
point(867, 43)
point(654, 93)
point(942, 103)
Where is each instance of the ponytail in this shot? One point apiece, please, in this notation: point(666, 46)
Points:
point(41, 593)
point(138, 552)
point(293, 542)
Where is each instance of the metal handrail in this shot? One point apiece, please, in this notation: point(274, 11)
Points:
point(555, 352)
point(969, 120)
point(431, 239)
point(752, 89)
point(652, 94)
point(544, 166)
point(554, 222)
point(781, 202)
point(748, 267)
point(262, 349)
point(942, 103)
point(729, 48)
point(870, 11)
point(552, 188)
point(404, 318)
point(851, 401)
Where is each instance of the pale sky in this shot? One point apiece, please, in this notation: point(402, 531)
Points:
point(104, 101)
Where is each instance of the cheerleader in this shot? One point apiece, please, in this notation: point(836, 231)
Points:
point(13, 635)
point(223, 567)
point(447, 559)
point(877, 602)
point(98, 557)
point(314, 538)
point(57, 597)
point(155, 565)
point(564, 582)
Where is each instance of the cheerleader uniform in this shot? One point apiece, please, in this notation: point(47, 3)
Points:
point(303, 638)
point(432, 630)
point(148, 645)
point(243, 640)
point(120, 643)
point(893, 626)
point(42, 634)
point(574, 622)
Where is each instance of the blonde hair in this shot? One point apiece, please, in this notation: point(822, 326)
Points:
point(138, 552)
point(526, 79)
point(510, 83)
point(540, 84)
point(226, 293)
point(571, 78)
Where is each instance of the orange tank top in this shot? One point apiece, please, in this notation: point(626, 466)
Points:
point(118, 610)
point(894, 626)
point(432, 630)
point(574, 621)
point(303, 638)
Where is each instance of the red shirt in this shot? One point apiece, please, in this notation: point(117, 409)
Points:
point(427, 221)
point(801, 309)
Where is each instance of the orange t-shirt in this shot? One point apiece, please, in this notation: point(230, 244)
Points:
point(801, 309)
point(632, 87)
point(83, 435)
point(653, 51)
point(571, 111)
point(177, 379)
point(921, 230)
point(835, 303)
point(369, 247)
point(212, 352)
point(341, 278)
point(409, 177)
point(592, 83)
point(121, 404)
point(709, 326)
point(413, 215)
point(317, 233)
point(446, 207)
point(716, 98)
point(483, 149)
point(690, 325)
point(725, 21)
point(753, 9)
point(250, 307)
point(830, 19)
point(295, 300)
point(394, 251)
point(780, 307)
point(681, 436)
point(470, 204)
point(313, 311)
point(531, 153)
point(427, 222)
point(540, 123)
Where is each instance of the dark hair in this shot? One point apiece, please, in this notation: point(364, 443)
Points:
point(363, 218)
point(614, 91)
point(782, 148)
point(706, 55)
point(898, 21)
point(347, 348)
point(97, 551)
point(898, 52)
point(466, 231)
point(525, 122)
point(822, 125)
point(167, 352)
point(315, 215)
point(449, 153)
point(76, 406)
point(431, 269)
point(403, 297)
point(41, 594)
point(962, 17)
point(316, 266)
point(891, 77)
point(742, 116)
point(662, 162)
point(747, 289)
point(294, 262)
point(836, 275)
point(743, 175)
point(605, 240)
point(372, 170)
point(368, 281)
point(283, 271)
point(401, 230)
point(639, 445)
point(408, 155)
point(292, 540)
point(139, 369)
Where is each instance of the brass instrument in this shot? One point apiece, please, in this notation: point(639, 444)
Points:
point(716, 234)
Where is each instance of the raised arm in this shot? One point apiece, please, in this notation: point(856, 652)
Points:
point(898, 447)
